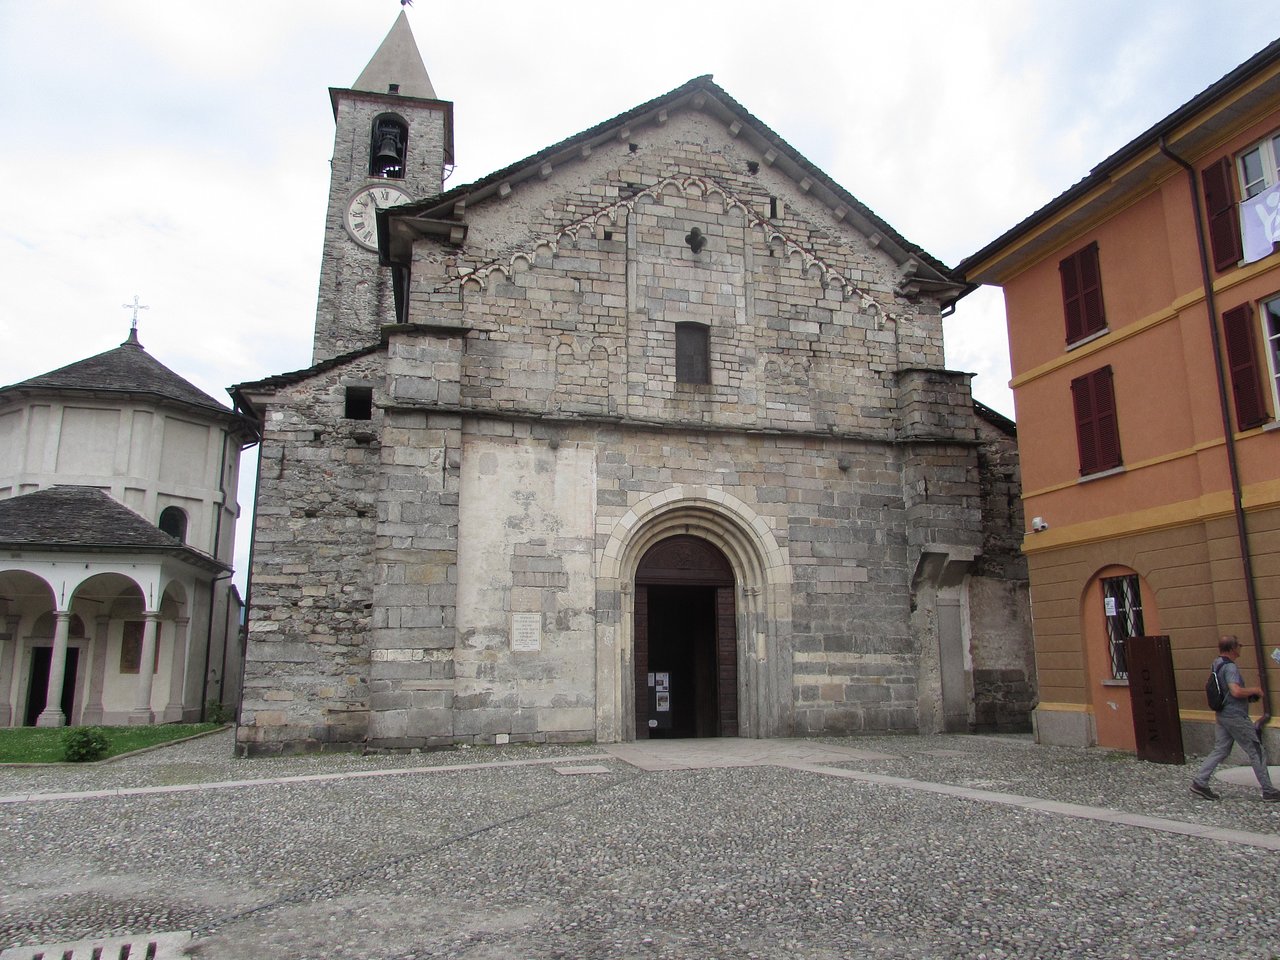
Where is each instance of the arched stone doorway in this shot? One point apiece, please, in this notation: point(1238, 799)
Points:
point(762, 606)
point(686, 641)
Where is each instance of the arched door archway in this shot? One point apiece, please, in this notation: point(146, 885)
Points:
point(1117, 603)
point(686, 641)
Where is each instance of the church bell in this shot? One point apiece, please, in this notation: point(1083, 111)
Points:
point(388, 150)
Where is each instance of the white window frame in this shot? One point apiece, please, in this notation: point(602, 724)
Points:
point(1269, 314)
point(1268, 151)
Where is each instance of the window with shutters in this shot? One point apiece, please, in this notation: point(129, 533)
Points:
point(1082, 294)
point(1097, 431)
point(1271, 334)
point(1242, 362)
point(693, 353)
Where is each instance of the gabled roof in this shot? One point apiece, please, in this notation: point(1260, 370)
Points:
point(995, 418)
point(442, 215)
point(84, 518)
point(128, 369)
point(397, 61)
point(1194, 127)
point(281, 380)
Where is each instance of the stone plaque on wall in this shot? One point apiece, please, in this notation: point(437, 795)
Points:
point(526, 632)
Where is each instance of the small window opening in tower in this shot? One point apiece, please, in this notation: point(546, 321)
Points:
point(173, 521)
point(387, 148)
point(693, 353)
point(773, 208)
point(359, 403)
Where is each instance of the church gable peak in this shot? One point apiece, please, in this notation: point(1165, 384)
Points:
point(397, 66)
point(444, 215)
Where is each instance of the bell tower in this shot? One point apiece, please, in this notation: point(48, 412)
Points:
point(392, 144)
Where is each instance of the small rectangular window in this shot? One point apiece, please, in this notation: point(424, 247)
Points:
point(693, 354)
point(1082, 294)
point(1122, 606)
point(359, 405)
point(1097, 432)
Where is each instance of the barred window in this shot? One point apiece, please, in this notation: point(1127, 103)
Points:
point(1122, 606)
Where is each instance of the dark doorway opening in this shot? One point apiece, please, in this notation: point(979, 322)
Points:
point(686, 642)
point(682, 647)
point(38, 691)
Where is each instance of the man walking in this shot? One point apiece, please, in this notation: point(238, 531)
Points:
point(1234, 726)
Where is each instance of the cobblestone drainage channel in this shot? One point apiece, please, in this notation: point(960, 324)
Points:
point(158, 946)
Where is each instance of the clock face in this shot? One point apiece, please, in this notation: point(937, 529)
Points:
point(361, 208)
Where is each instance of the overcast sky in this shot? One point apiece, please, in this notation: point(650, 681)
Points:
point(180, 151)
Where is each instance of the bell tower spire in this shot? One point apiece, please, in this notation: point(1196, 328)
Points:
point(398, 64)
point(393, 141)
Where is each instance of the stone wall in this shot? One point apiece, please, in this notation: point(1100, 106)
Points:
point(1004, 670)
point(311, 591)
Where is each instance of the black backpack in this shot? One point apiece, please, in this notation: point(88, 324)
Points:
point(1215, 690)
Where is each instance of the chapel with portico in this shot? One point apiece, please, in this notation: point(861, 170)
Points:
point(117, 529)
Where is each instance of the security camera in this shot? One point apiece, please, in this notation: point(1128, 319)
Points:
point(1038, 524)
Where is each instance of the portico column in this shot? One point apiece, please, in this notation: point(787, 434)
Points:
point(146, 670)
point(52, 715)
point(178, 669)
point(91, 713)
point(8, 653)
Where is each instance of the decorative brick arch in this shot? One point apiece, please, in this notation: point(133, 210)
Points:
point(762, 576)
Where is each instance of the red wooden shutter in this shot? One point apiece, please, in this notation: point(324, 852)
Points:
point(1097, 428)
point(1242, 361)
point(1082, 293)
point(1091, 289)
point(1224, 215)
point(1104, 407)
point(726, 662)
point(640, 661)
point(1071, 299)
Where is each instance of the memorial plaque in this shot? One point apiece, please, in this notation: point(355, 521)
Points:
point(526, 632)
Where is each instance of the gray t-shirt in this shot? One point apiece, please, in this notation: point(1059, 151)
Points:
point(1235, 706)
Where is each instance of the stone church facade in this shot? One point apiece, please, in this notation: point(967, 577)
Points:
point(648, 434)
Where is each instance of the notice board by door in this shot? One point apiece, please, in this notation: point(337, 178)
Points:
point(1154, 694)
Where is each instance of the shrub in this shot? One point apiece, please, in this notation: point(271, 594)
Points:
point(216, 712)
point(83, 744)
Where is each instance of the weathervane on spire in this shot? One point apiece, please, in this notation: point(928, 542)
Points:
point(135, 307)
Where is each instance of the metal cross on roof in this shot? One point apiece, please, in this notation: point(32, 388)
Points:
point(135, 307)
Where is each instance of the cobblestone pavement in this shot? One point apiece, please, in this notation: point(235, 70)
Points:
point(912, 847)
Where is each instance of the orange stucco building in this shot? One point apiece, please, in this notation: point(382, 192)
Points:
point(1143, 309)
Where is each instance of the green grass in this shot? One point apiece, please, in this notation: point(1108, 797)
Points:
point(41, 744)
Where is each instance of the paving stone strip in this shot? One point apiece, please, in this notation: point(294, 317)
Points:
point(300, 778)
point(1078, 810)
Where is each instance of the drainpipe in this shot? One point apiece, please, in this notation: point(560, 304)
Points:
point(1237, 498)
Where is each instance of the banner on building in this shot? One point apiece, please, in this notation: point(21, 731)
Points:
point(1260, 223)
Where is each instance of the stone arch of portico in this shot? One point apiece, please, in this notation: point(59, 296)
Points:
point(762, 577)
